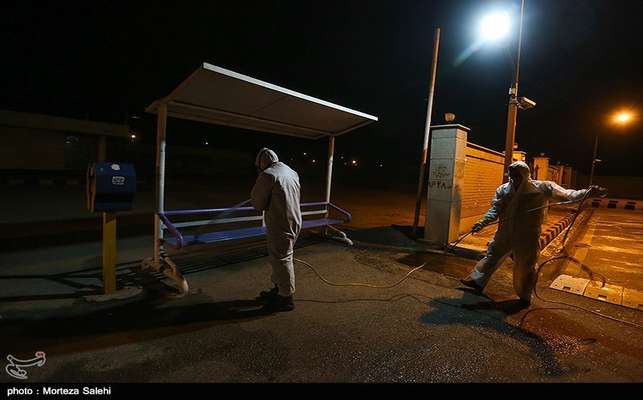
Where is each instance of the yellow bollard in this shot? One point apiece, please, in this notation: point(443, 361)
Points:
point(109, 252)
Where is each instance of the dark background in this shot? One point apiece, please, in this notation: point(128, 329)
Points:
point(108, 60)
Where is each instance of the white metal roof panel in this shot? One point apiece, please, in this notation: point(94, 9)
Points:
point(216, 95)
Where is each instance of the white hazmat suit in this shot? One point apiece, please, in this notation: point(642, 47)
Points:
point(277, 192)
point(519, 229)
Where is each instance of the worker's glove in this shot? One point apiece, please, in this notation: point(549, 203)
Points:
point(597, 191)
point(477, 227)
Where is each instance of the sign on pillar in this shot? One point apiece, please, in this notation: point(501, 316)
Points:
point(446, 178)
point(541, 167)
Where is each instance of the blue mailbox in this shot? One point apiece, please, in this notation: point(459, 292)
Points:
point(111, 186)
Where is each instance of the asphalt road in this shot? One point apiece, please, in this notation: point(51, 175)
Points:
point(424, 330)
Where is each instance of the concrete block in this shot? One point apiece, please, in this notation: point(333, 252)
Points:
point(633, 299)
point(569, 284)
point(608, 293)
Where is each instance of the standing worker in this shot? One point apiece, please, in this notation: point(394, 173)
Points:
point(277, 193)
point(518, 232)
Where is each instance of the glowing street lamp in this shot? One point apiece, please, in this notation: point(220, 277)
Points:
point(621, 119)
point(495, 26)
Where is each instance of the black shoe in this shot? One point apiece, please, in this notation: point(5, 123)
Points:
point(524, 303)
point(280, 304)
point(267, 294)
point(472, 284)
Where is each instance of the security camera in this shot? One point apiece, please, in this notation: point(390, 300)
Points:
point(525, 103)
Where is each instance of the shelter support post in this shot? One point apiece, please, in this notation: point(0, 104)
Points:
point(161, 126)
point(160, 261)
point(329, 184)
point(329, 171)
point(329, 175)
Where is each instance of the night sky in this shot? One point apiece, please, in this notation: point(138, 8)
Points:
point(108, 60)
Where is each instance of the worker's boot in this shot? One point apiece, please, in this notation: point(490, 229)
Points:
point(279, 303)
point(472, 284)
point(267, 294)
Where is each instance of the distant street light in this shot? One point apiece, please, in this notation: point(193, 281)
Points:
point(621, 119)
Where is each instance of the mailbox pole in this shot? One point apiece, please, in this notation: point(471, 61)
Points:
point(109, 252)
point(109, 235)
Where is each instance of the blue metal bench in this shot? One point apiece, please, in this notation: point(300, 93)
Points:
point(180, 240)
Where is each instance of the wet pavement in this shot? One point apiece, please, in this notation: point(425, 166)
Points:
point(427, 329)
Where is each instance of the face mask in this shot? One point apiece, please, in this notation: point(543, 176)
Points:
point(517, 180)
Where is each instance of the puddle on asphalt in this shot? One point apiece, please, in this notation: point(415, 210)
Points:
point(442, 264)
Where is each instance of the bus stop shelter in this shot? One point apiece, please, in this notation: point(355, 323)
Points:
point(215, 95)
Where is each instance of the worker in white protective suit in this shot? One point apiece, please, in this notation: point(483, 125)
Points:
point(277, 193)
point(518, 232)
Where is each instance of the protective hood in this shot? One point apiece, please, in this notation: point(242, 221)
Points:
point(523, 169)
point(265, 158)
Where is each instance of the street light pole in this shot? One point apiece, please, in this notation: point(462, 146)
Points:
point(591, 174)
point(427, 131)
point(512, 108)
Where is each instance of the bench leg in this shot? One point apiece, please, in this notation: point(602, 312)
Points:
point(341, 238)
point(168, 268)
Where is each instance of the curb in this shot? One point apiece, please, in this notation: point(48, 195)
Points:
point(621, 204)
point(555, 230)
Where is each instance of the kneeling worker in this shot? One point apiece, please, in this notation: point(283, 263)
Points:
point(277, 192)
point(518, 232)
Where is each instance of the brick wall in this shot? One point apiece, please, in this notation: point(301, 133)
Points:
point(482, 176)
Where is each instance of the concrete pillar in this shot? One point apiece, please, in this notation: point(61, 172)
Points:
point(567, 174)
point(559, 173)
point(541, 167)
point(574, 179)
point(446, 178)
point(519, 156)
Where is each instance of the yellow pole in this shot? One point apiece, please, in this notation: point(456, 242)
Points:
point(109, 252)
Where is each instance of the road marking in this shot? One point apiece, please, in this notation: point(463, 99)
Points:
point(580, 252)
